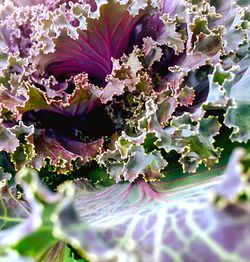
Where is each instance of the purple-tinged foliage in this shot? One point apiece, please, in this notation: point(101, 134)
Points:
point(145, 221)
point(105, 38)
point(125, 98)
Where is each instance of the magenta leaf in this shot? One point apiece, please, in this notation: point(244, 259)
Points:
point(105, 38)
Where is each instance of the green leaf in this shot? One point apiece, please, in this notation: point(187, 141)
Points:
point(23, 223)
point(69, 256)
point(36, 99)
point(238, 117)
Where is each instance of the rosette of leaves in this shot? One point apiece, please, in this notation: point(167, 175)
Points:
point(150, 95)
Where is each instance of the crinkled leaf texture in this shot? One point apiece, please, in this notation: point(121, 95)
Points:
point(64, 61)
point(190, 219)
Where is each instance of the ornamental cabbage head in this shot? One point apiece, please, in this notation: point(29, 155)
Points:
point(119, 122)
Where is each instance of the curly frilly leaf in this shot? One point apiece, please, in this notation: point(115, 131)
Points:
point(192, 138)
point(11, 101)
point(8, 140)
point(80, 101)
point(238, 112)
point(162, 221)
point(170, 37)
point(31, 2)
point(138, 163)
point(62, 154)
point(198, 62)
point(191, 36)
point(229, 90)
point(163, 224)
point(231, 17)
point(103, 39)
point(25, 151)
point(238, 117)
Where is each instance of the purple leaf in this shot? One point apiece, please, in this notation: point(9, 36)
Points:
point(232, 184)
point(8, 140)
point(105, 37)
point(149, 222)
point(62, 154)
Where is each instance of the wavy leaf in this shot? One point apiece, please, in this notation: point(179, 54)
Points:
point(161, 221)
point(103, 39)
point(24, 219)
point(8, 140)
point(153, 222)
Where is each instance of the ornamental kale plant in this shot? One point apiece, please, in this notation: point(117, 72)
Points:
point(124, 130)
